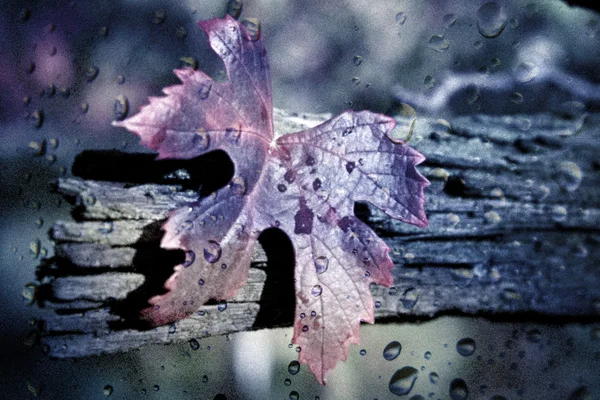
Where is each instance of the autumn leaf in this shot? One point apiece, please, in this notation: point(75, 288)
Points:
point(304, 183)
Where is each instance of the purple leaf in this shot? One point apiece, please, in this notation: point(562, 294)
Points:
point(306, 183)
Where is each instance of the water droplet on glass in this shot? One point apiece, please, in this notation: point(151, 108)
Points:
point(438, 43)
point(222, 305)
point(569, 176)
point(204, 90)
point(357, 60)
point(429, 81)
point(433, 377)
point(403, 381)
point(321, 264)
point(401, 18)
point(491, 19)
point(449, 20)
point(212, 251)
point(316, 290)
point(293, 367)
point(465, 347)
point(190, 257)
point(287, 382)
point(363, 352)
point(91, 73)
point(458, 390)
point(108, 390)
point(526, 72)
point(294, 395)
point(121, 107)
point(194, 344)
point(392, 350)
point(516, 98)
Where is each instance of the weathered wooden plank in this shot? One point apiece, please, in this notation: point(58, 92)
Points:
point(514, 211)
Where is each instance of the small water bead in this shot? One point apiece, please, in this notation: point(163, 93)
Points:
point(121, 107)
point(433, 377)
point(356, 80)
point(281, 187)
point(458, 390)
point(357, 60)
point(316, 184)
point(363, 352)
point(212, 251)
point(287, 381)
point(403, 381)
point(108, 390)
point(190, 257)
point(377, 304)
point(321, 264)
point(172, 329)
point(313, 313)
point(438, 43)
point(401, 18)
point(302, 315)
point(294, 395)
point(392, 350)
point(204, 90)
point(409, 298)
point(429, 82)
point(427, 355)
point(569, 176)
point(204, 378)
point(222, 306)
point(156, 388)
point(223, 266)
point(289, 176)
point(350, 165)
point(316, 290)
point(516, 98)
point(305, 328)
point(465, 347)
point(201, 282)
point(491, 20)
point(293, 367)
point(194, 344)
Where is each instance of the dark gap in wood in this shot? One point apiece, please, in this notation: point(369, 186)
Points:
point(156, 264)
point(278, 298)
point(207, 173)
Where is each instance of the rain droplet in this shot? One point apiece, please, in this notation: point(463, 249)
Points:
point(433, 377)
point(212, 251)
point(321, 264)
point(409, 298)
point(108, 390)
point(194, 344)
point(204, 90)
point(438, 43)
point(401, 18)
point(449, 20)
point(238, 186)
point(350, 165)
point(121, 107)
point(316, 184)
point(357, 60)
point(289, 176)
point(222, 305)
point(526, 72)
point(316, 290)
point(293, 367)
point(403, 380)
point(281, 187)
point(392, 350)
point(491, 19)
point(190, 257)
point(91, 73)
point(458, 390)
point(569, 176)
point(465, 347)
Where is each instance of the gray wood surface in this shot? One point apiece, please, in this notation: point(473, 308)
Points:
point(514, 210)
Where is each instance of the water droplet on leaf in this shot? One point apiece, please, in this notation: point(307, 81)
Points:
point(316, 290)
point(222, 305)
point(212, 251)
point(321, 264)
point(293, 367)
point(190, 257)
point(357, 60)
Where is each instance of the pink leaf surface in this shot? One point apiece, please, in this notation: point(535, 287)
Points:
point(304, 183)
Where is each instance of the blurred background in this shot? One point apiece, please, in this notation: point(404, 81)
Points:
point(69, 68)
